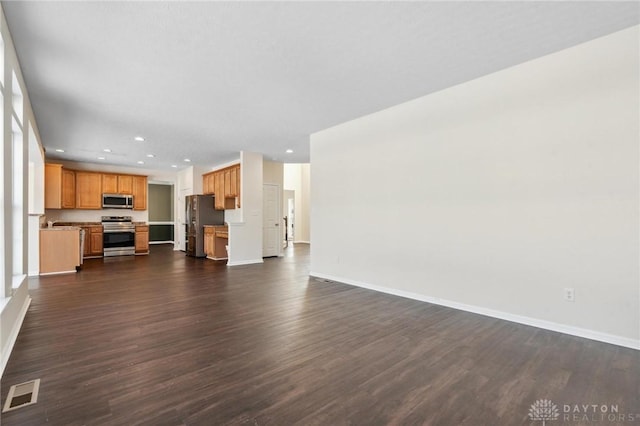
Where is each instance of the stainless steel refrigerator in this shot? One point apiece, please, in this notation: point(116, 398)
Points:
point(199, 212)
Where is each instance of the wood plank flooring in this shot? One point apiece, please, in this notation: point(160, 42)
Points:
point(166, 339)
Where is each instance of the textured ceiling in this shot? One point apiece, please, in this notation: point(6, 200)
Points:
point(204, 80)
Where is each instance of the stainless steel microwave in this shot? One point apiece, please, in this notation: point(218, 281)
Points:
point(117, 201)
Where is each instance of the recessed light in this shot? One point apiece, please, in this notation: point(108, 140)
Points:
point(106, 150)
point(186, 160)
point(174, 166)
point(150, 155)
point(289, 151)
point(140, 162)
point(139, 139)
point(100, 158)
point(59, 150)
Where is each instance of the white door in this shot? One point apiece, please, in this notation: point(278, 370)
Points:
point(271, 220)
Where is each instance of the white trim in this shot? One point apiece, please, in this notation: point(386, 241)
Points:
point(245, 262)
point(17, 280)
point(64, 272)
point(535, 322)
point(301, 242)
point(13, 336)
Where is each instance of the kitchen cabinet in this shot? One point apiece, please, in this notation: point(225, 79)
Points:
point(88, 190)
point(142, 239)
point(208, 185)
point(93, 241)
point(233, 187)
point(109, 184)
point(139, 184)
point(219, 201)
point(59, 187)
point(68, 189)
point(97, 241)
point(117, 184)
point(209, 235)
point(225, 185)
point(59, 250)
point(216, 239)
point(125, 184)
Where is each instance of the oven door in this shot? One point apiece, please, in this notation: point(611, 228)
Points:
point(118, 242)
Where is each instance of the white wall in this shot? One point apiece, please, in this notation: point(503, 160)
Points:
point(496, 194)
point(245, 223)
point(14, 295)
point(297, 178)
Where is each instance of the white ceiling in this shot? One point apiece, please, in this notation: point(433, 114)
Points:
point(204, 80)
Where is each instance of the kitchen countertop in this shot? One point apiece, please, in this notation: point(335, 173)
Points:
point(63, 224)
point(59, 224)
point(61, 228)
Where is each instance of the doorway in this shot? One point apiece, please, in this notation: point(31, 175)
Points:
point(289, 207)
point(161, 213)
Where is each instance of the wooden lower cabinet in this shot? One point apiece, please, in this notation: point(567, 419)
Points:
point(59, 250)
point(93, 241)
point(216, 239)
point(209, 236)
point(142, 239)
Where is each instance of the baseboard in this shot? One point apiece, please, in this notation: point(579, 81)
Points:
point(245, 262)
point(13, 336)
point(535, 322)
point(301, 242)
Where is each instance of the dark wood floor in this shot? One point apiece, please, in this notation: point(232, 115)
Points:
point(170, 340)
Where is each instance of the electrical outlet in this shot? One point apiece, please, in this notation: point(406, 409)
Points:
point(569, 294)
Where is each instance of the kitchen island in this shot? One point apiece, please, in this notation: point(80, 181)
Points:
point(60, 251)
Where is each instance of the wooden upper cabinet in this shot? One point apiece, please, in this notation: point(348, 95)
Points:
point(59, 187)
point(88, 190)
point(218, 182)
point(117, 184)
point(208, 187)
point(52, 186)
point(238, 197)
point(139, 186)
point(125, 184)
point(68, 189)
point(233, 184)
point(225, 185)
point(109, 184)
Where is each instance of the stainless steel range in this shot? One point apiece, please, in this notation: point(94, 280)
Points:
point(119, 236)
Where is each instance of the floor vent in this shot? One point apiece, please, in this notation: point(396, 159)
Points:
point(21, 395)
